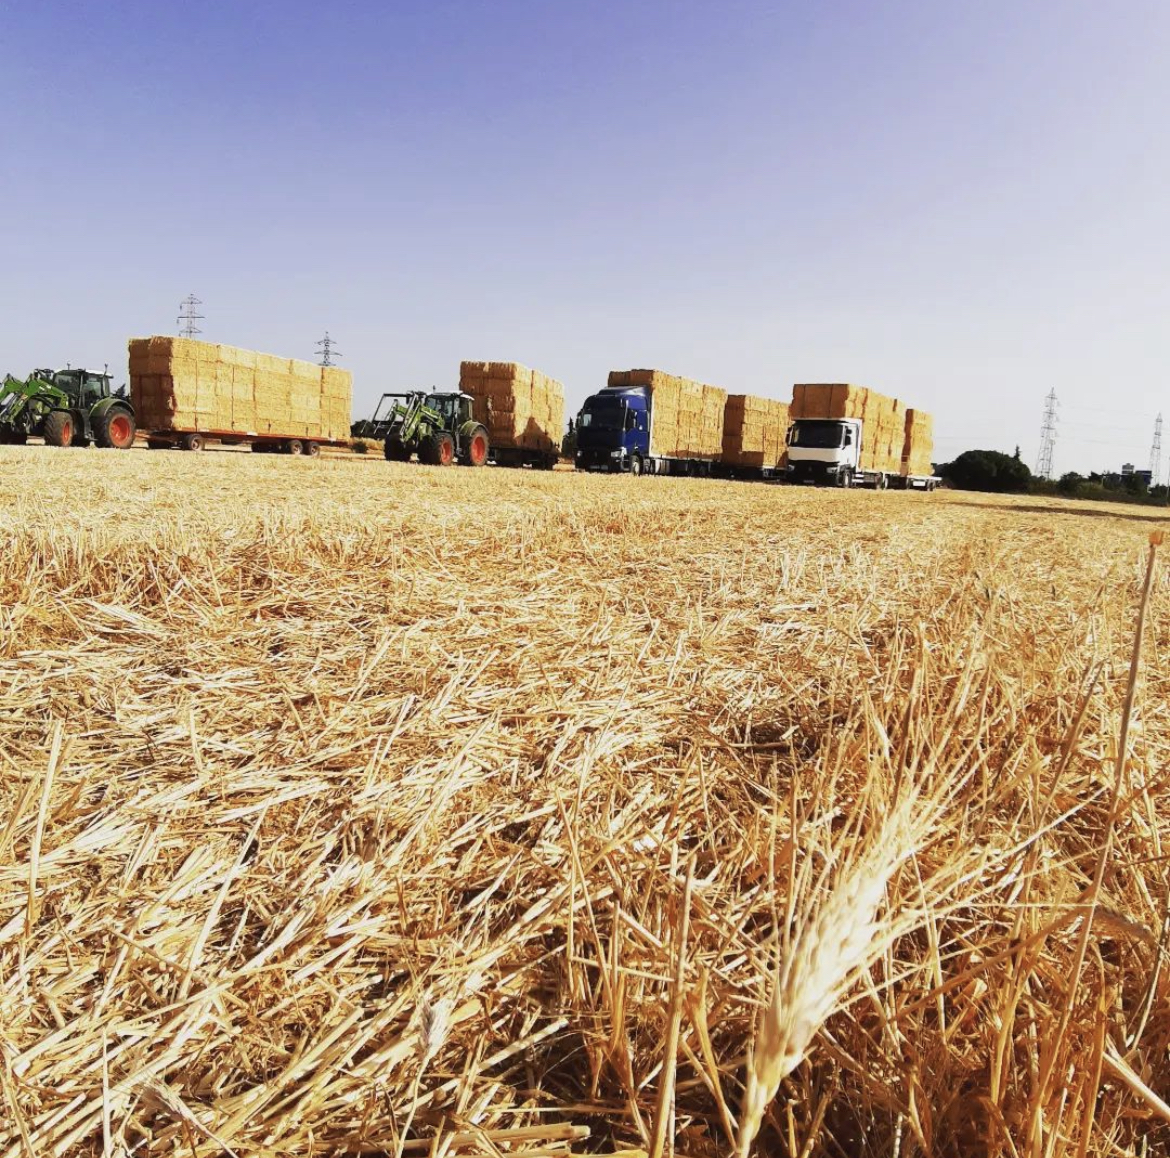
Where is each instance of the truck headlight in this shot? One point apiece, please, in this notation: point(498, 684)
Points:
point(616, 453)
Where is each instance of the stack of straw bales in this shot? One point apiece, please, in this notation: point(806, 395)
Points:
point(521, 408)
point(754, 431)
point(182, 384)
point(918, 446)
point(687, 416)
point(884, 419)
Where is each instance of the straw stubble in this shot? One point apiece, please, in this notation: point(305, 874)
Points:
point(327, 760)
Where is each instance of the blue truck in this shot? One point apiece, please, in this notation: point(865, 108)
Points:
point(618, 429)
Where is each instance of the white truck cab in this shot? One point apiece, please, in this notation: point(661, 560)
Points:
point(827, 452)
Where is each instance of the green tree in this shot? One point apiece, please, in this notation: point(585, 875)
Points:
point(1070, 483)
point(989, 470)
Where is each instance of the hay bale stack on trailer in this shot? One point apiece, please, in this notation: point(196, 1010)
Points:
point(847, 435)
point(755, 434)
point(918, 445)
point(188, 392)
point(648, 420)
point(522, 409)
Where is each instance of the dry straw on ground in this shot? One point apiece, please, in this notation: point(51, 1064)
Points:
point(367, 808)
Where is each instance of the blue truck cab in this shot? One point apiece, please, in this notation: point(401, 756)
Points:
point(613, 430)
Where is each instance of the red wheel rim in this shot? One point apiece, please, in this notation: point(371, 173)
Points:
point(67, 433)
point(478, 450)
point(446, 453)
point(120, 430)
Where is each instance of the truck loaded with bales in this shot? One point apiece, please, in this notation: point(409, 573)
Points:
point(651, 422)
point(846, 436)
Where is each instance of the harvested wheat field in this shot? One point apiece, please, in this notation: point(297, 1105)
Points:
point(356, 807)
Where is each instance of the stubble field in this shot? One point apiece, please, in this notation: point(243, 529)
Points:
point(350, 807)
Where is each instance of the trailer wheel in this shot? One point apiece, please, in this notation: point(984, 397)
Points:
point(293, 446)
point(59, 428)
point(115, 429)
point(883, 482)
point(193, 441)
point(312, 449)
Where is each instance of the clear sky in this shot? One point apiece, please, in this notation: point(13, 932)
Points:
point(959, 204)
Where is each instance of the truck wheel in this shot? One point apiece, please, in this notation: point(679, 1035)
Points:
point(59, 428)
point(635, 464)
point(115, 429)
point(192, 441)
point(312, 449)
point(845, 479)
point(438, 449)
point(394, 451)
point(883, 482)
point(476, 450)
point(293, 446)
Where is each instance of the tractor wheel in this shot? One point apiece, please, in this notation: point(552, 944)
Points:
point(475, 450)
point(293, 446)
point(395, 451)
point(312, 449)
point(59, 428)
point(438, 449)
point(115, 429)
point(192, 441)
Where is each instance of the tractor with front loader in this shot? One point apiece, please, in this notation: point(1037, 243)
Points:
point(66, 408)
point(438, 427)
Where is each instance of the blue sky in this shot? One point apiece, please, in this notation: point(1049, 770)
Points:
point(962, 205)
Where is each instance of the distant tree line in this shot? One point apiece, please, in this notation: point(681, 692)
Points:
point(999, 473)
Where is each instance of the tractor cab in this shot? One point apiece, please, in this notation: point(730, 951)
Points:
point(84, 388)
point(455, 408)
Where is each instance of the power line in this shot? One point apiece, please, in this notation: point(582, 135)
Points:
point(1048, 435)
point(328, 350)
point(189, 315)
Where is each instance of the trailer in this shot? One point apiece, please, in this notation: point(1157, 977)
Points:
point(522, 410)
point(188, 394)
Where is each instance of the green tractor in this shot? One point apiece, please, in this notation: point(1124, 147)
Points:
point(438, 427)
point(66, 408)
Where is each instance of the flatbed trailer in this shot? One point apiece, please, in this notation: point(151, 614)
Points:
point(172, 439)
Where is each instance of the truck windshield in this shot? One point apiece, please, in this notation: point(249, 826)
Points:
point(817, 435)
point(602, 417)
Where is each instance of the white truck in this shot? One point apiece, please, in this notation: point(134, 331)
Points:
point(831, 451)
